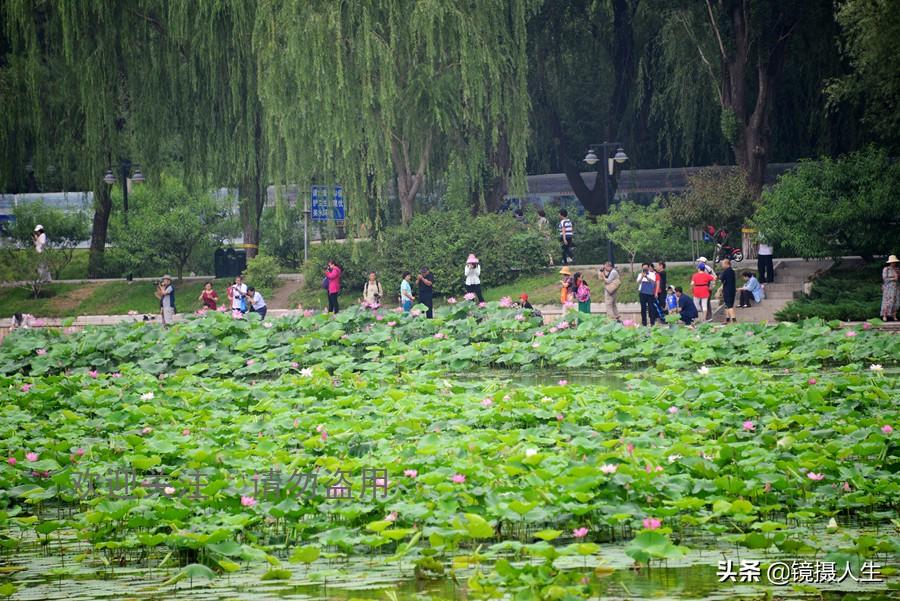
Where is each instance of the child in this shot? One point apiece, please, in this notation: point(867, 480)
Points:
point(257, 302)
point(567, 291)
point(671, 299)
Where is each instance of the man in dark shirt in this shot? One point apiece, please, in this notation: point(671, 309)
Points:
point(426, 290)
point(686, 307)
point(729, 287)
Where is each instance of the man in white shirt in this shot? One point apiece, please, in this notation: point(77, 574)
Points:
point(257, 302)
point(764, 263)
point(646, 281)
point(238, 291)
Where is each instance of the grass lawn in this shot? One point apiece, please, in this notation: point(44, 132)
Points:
point(109, 298)
point(542, 289)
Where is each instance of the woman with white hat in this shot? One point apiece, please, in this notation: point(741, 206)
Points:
point(473, 277)
point(890, 296)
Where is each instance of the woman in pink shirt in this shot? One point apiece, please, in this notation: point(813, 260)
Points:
point(333, 273)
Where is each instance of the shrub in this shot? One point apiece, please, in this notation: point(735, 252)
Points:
point(849, 292)
point(262, 271)
point(356, 258)
point(284, 241)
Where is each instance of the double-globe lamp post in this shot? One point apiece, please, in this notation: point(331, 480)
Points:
point(137, 177)
point(593, 157)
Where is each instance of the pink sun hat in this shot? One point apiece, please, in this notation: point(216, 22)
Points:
point(472, 258)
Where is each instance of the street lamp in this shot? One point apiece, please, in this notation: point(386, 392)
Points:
point(612, 159)
point(137, 177)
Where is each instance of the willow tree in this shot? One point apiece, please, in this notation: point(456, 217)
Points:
point(387, 91)
point(76, 98)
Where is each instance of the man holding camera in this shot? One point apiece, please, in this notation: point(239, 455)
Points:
point(165, 292)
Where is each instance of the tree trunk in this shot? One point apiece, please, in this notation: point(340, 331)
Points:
point(253, 194)
point(498, 186)
point(408, 183)
point(590, 199)
point(99, 229)
point(622, 52)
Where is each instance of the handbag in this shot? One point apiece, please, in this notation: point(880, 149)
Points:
point(325, 282)
point(243, 304)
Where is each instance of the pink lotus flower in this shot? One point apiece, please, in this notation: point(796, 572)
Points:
point(410, 473)
point(391, 324)
point(487, 402)
point(41, 351)
point(236, 314)
point(79, 452)
point(169, 490)
point(652, 523)
point(811, 381)
point(851, 333)
point(673, 410)
point(469, 296)
point(867, 326)
point(519, 317)
point(296, 422)
point(585, 580)
point(11, 461)
point(391, 517)
point(440, 336)
point(345, 337)
point(147, 396)
point(186, 432)
point(323, 435)
point(306, 372)
point(294, 365)
point(553, 330)
point(609, 468)
point(451, 300)
point(93, 373)
point(506, 302)
point(659, 468)
point(308, 313)
point(539, 333)
point(268, 324)
point(26, 387)
point(814, 476)
point(116, 375)
point(248, 501)
point(628, 323)
point(563, 382)
point(379, 317)
point(887, 429)
point(222, 309)
point(846, 487)
point(749, 426)
point(251, 361)
point(31, 456)
point(563, 325)
point(630, 448)
point(580, 532)
point(535, 345)
point(560, 417)
point(320, 428)
point(458, 478)
point(147, 430)
point(767, 487)
point(415, 312)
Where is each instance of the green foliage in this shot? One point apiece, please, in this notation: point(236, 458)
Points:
point(64, 230)
point(357, 258)
point(262, 271)
point(830, 208)
point(168, 225)
point(847, 292)
point(870, 33)
point(717, 196)
point(282, 236)
point(643, 230)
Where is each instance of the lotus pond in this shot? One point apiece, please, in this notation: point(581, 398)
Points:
point(476, 455)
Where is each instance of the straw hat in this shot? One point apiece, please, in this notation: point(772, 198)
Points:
point(166, 277)
point(472, 258)
point(565, 271)
point(38, 227)
point(892, 259)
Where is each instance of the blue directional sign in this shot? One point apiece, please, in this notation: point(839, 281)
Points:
point(319, 203)
point(338, 207)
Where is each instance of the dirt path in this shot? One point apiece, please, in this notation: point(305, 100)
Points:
point(279, 299)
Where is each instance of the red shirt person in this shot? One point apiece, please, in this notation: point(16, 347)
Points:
point(701, 282)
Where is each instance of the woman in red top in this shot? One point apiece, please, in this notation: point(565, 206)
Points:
point(333, 273)
point(701, 283)
point(208, 297)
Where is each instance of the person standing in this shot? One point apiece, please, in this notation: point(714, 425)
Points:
point(257, 302)
point(646, 281)
point(237, 293)
point(566, 236)
point(567, 289)
point(208, 297)
point(333, 275)
point(764, 262)
point(406, 295)
point(582, 293)
point(701, 283)
point(425, 280)
point(473, 277)
point(661, 284)
point(890, 289)
point(729, 289)
point(372, 291)
point(542, 222)
point(165, 292)
point(39, 237)
point(611, 282)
